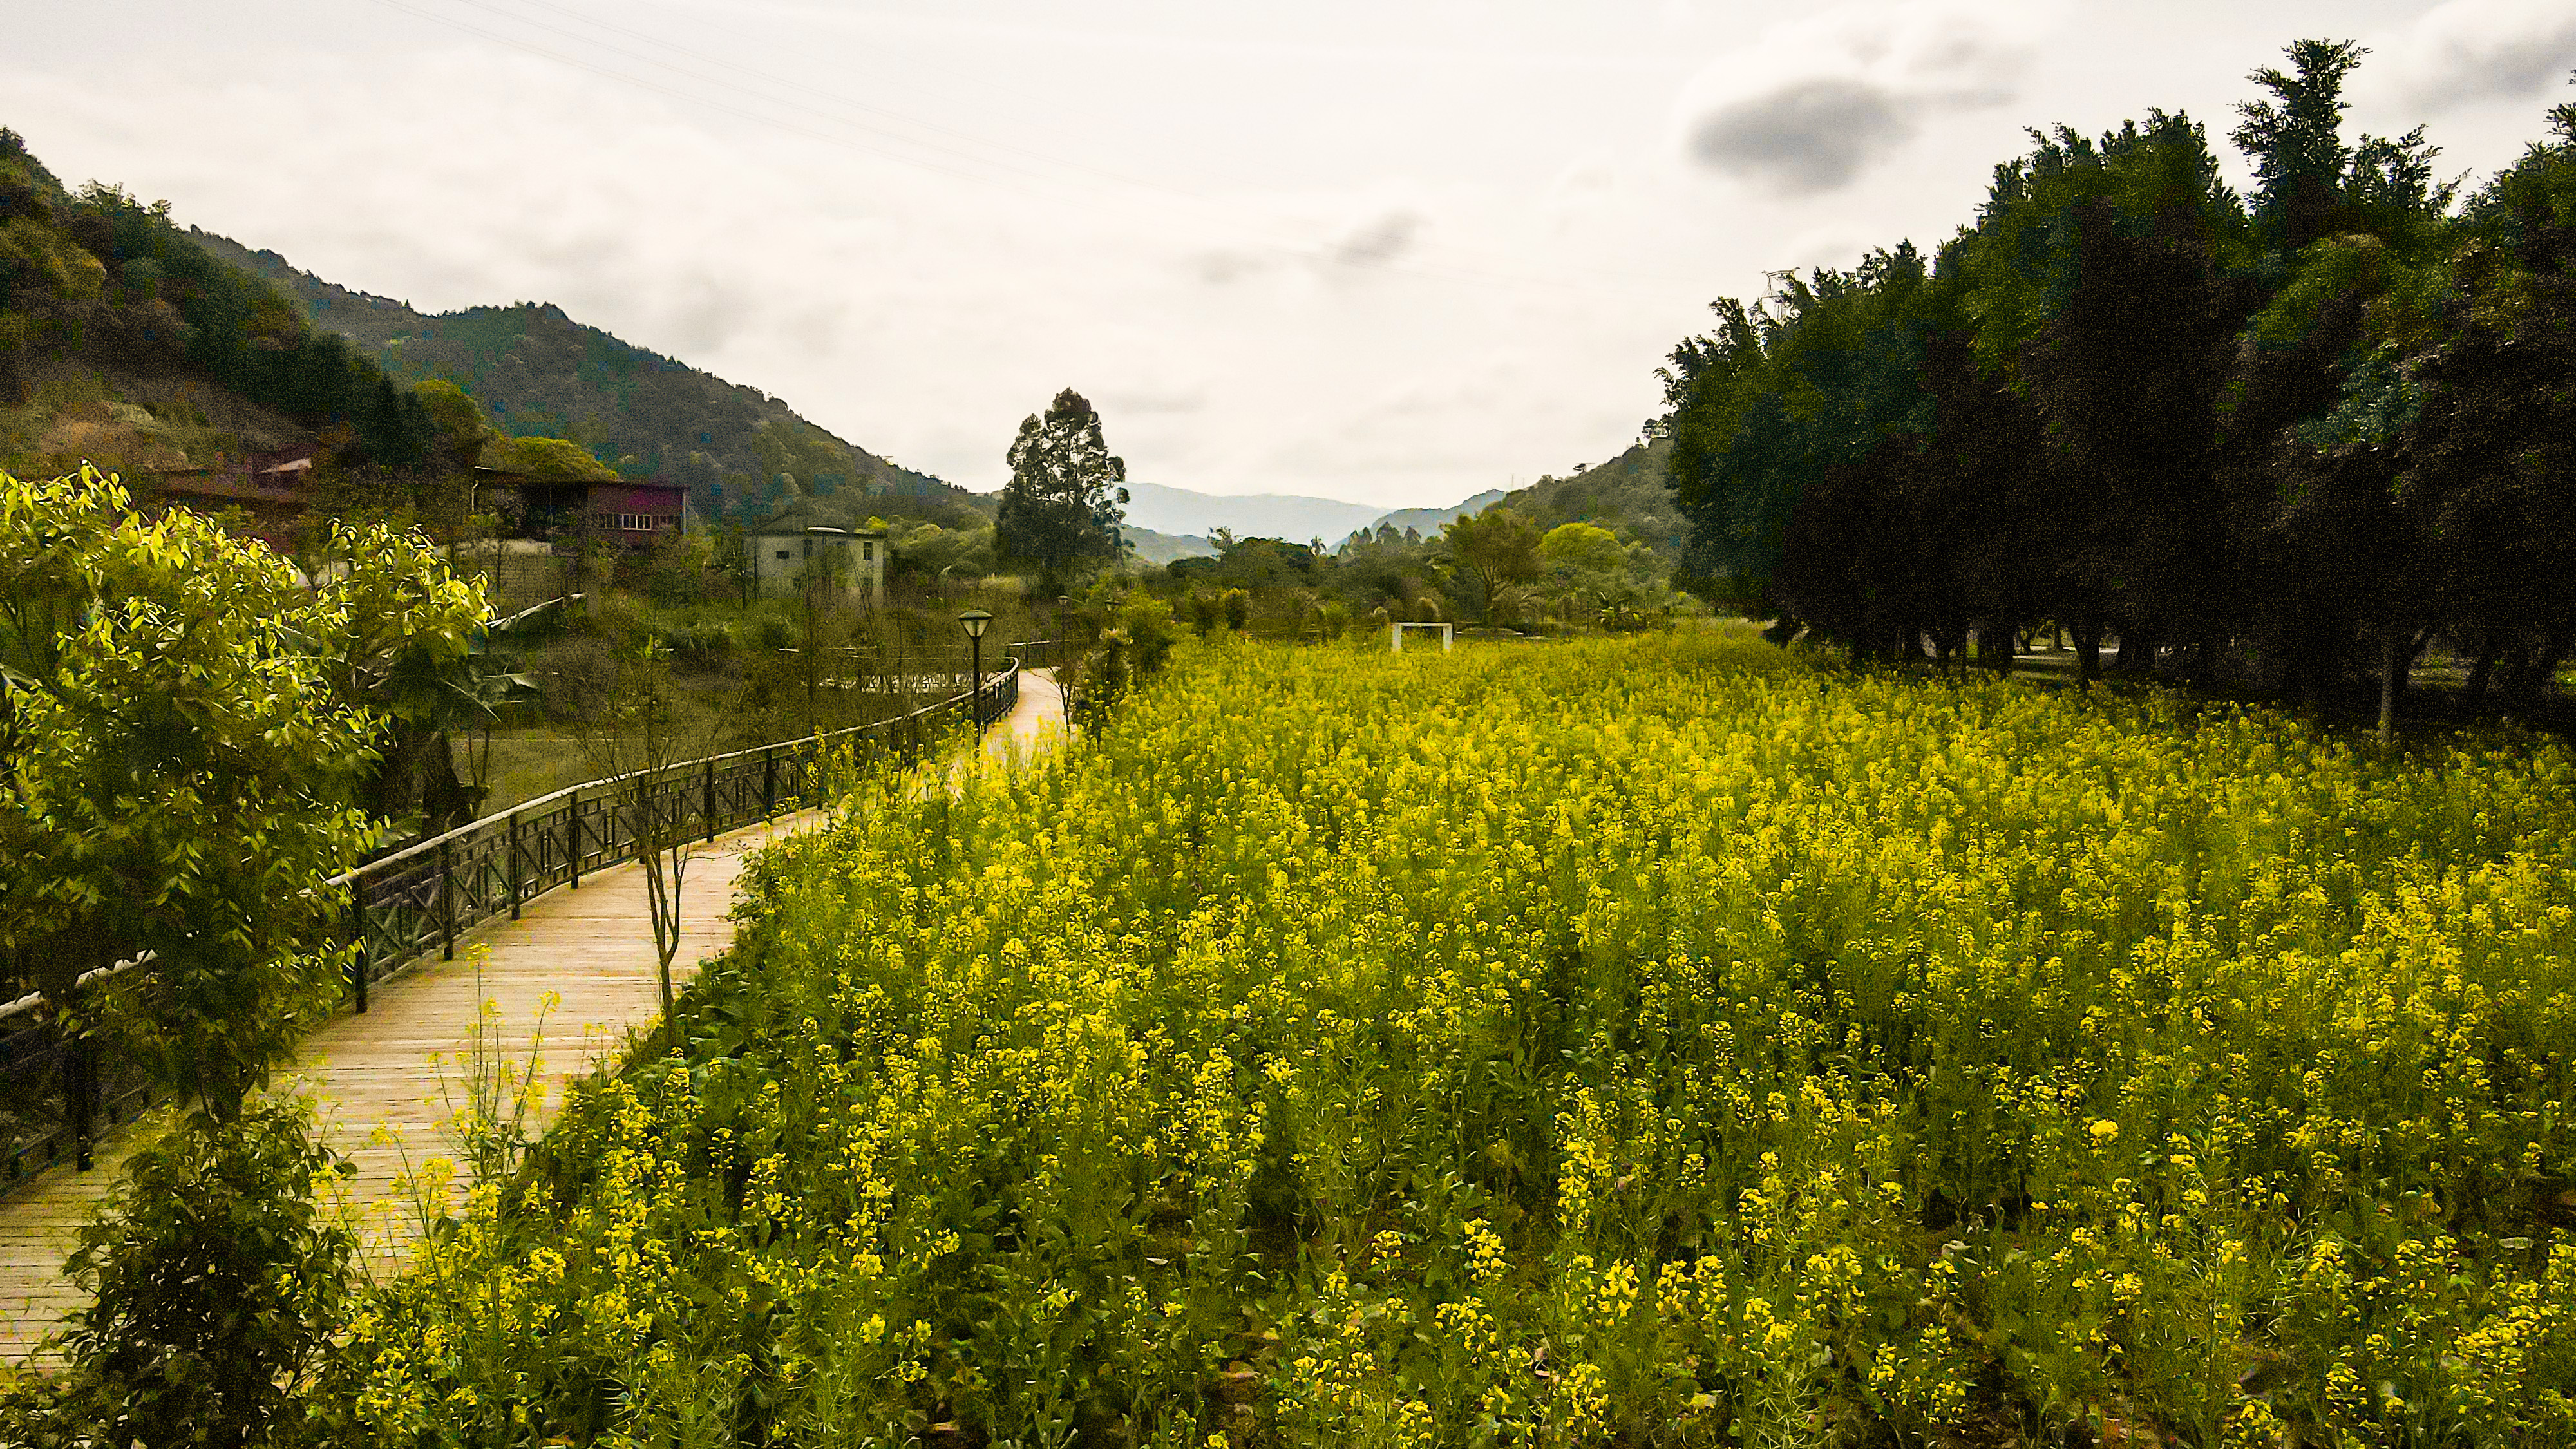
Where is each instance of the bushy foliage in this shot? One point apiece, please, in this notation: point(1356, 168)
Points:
point(182, 779)
point(216, 1276)
point(1628, 1042)
point(1121, 639)
point(548, 460)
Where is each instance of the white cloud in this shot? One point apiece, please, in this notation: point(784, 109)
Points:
point(2475, 50)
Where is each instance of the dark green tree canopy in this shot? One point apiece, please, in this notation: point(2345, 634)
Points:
point(1061, 509)
point(2311, 430)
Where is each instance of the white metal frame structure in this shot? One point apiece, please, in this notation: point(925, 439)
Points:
point(1395, 635)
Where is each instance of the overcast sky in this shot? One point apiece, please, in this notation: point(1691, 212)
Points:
point(1388, 252)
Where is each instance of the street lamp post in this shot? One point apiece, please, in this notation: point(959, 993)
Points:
point(974, 622)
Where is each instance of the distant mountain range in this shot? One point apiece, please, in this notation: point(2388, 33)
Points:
point(1252, 515)
point(1162, 548)
point(1185, 517)
point(1428, 520)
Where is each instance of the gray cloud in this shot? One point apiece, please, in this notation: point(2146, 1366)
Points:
point(1222, 266)
point(2475, 50)
point(1379, 239)
point(1806, 137)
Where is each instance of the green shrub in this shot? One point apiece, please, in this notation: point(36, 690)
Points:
point(217, 1282)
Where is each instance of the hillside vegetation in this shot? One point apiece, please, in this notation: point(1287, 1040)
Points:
point(78, 409)
point(536, 372)
point(121, 341)
point(1624, 1042)
point(1630, 495)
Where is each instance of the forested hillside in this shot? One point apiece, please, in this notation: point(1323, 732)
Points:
point(2282, 441)
point(123, 343)
point(538, 373)
point(1629, 494)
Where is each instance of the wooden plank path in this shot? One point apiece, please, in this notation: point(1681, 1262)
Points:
point(377, 1085)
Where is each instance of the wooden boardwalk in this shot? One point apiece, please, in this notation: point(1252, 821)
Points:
point(384, 1081)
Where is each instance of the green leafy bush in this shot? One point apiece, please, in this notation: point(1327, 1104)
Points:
point(217, 1279)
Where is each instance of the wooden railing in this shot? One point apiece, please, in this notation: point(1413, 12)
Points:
point(421, 898)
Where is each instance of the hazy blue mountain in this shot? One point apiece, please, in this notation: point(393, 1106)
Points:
point(1251, 515)
point(1428, 520)
point(1163, 548)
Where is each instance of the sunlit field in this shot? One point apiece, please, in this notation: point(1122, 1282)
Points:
point(1665, 1041)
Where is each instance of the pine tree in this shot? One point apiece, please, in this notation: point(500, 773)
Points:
point(1061, 510)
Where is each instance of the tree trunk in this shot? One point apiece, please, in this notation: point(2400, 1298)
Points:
point(1995, 646)
point(2473, 693)
point(2137, 653)
point(2088, 654)
point(2522, 691)
point(2396, 656)
point(2204, 661)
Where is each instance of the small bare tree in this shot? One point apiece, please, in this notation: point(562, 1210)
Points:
point(633, 730)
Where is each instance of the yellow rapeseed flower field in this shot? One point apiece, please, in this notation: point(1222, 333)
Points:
point(1659, 1041)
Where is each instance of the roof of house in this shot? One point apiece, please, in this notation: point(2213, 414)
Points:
point(199, 483)
point(503, 477)
point(803, 517)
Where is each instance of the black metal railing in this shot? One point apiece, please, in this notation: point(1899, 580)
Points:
point(1039, 653)
point(60, 1092)
point(63, 1094)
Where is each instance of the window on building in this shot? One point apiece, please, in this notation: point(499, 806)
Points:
point(868, 551)
point(635, 522)
point(782, 556)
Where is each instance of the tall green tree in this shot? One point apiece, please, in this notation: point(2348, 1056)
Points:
point(398, 645)
point(1061, 510)
point(182, 780)
point(1494, 551)
point(2295, 140)
point(2493, 420)
point(2104, 277)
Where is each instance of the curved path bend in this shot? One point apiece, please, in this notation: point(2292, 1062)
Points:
point(383, 1081)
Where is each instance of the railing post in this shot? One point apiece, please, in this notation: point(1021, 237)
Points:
point(769, 783)
point(518, 879)
point(711, 800)
point(78, 1068)
point(358, 939)
point(446, 903)
point(572, 835)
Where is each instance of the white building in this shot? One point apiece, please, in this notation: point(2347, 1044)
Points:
point(787, 556)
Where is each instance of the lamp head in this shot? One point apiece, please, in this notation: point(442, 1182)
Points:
point(974, 622)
